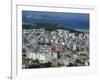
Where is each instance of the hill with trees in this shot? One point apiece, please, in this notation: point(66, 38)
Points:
point(48, 27)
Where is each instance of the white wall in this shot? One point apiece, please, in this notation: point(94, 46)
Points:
point(5, 35)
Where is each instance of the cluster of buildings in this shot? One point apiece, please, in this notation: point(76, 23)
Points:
point(60, 46)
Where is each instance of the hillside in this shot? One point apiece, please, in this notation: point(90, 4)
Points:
point(48, 27)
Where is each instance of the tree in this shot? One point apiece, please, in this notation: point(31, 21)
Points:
point(59, 65)
point(48, 64)
point(58, 55)
point(79, 62)
point(72, 64)
point(34, 64)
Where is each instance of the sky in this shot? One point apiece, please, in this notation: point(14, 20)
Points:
point(68, 20)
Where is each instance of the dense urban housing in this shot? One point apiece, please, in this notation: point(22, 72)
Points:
point(54, 39)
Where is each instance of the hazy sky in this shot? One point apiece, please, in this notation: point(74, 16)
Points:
point(70, 20)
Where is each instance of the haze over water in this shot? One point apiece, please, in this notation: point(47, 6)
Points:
point(68, 20)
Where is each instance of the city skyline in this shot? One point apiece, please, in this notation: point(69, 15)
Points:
point(48, 42)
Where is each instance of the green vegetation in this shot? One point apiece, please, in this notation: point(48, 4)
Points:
point(72, 64)
point(77, 62)
point(60, 64)
point(47, 27)
point(30, 63)
point(58, 55)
